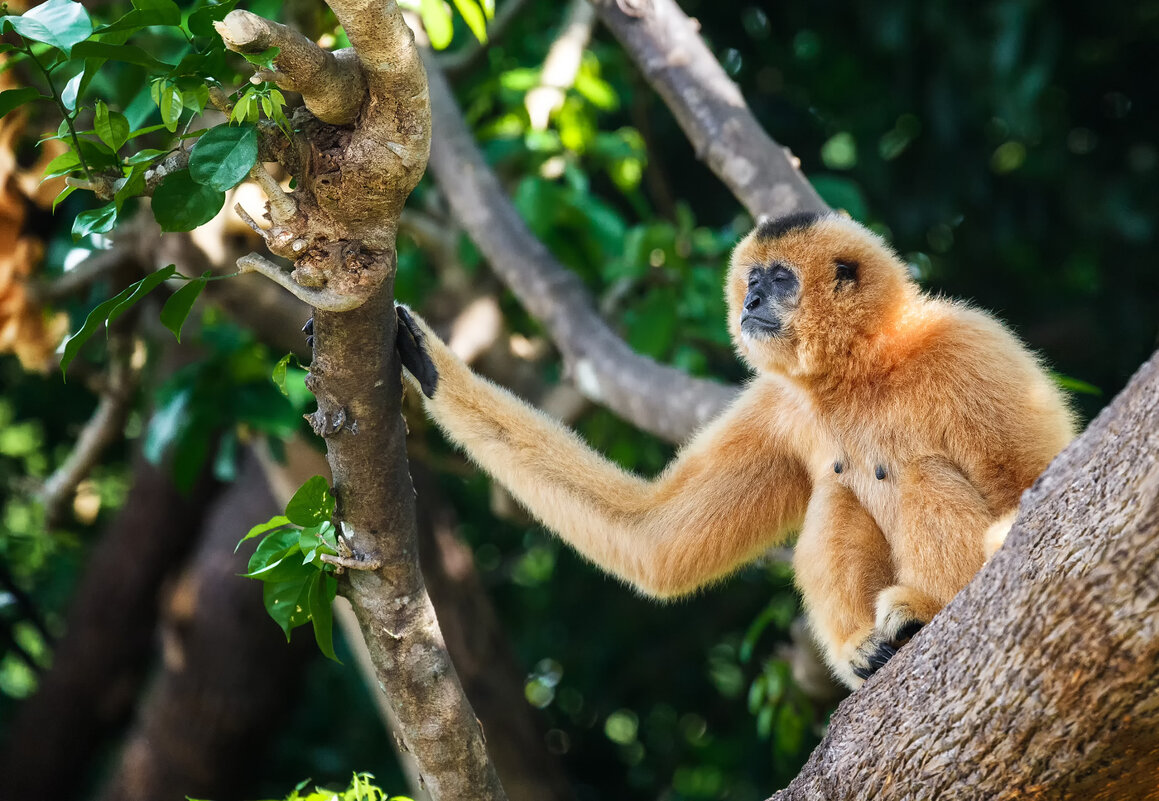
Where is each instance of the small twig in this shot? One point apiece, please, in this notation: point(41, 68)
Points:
point(350, 562)
point(561, 65)
point(325, 299)
point(282, 206)
point(102, 429)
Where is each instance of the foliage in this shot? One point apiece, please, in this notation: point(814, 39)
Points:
point(362, 788)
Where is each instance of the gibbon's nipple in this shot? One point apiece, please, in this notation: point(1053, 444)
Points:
point(880, 473)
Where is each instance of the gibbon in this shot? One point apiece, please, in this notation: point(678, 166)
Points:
point(893, 430)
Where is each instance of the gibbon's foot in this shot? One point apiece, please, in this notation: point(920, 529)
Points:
point(901, 612)
point(410, 343)
point(880, 647)
point(308, 330)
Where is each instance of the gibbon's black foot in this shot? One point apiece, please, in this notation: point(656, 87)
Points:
point(410, 343)
point(308, 330)
point(879, 648)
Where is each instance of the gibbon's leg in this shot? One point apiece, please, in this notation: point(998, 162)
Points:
point(734, 491)
point(939, 545)
point(842, 562)
point(943, 522)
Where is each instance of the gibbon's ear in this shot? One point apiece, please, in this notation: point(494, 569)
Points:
point(412, 351)
point(846, 272)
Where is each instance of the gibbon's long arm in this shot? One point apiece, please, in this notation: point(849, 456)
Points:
point(735, 490)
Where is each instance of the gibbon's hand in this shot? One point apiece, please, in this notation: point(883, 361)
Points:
point(411, 344)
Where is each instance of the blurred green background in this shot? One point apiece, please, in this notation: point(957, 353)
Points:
point(1007, 149)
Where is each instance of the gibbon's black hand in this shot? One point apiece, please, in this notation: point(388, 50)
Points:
point(410, 341)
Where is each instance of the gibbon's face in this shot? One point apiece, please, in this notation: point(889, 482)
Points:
point(803, 290)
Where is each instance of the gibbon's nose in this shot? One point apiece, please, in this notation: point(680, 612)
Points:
point(752, 301)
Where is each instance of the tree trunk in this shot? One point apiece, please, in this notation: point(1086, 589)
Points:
point(100, 662)
point(1040, 680)
point(226, 669)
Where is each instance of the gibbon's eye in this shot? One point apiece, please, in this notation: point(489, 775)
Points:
point(846, 272)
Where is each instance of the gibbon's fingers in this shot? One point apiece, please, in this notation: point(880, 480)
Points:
point(411, 344)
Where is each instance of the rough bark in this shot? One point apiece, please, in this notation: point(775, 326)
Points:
point(100, 663)
point(666, 46)
point(226, 671)
point(339, 226)
point(660, 399)
point(1040, 679)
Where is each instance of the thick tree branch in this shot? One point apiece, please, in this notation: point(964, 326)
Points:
point(1040, 679)
point(667, 47)
point(331, 84)
point(657, 398)
point(340, 232)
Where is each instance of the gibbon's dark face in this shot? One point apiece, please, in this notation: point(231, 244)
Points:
point(801, 289)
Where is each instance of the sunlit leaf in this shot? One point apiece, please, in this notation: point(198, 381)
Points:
point(288, 602)
point(129, 54)
point(60, 23)
point(95, 221)
point(111, 126)
point(68, 95)
point(312, 504)
point(279, 374)
point(437, 22)
point(474, 16)
point(261, 528)
point(146, 13)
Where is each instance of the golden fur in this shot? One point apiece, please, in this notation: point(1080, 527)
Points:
point(936, 415)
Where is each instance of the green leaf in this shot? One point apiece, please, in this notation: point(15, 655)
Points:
point(60, 23)
point(71, 90)
point(146, 13)
point(1075, 385)
point(168, 424)
point(180, 303)
point(147, 156)
point(322, 591)
point(110, 310)
point(277, 558)
point(64, 164)
point(488, 8)
point(95, 221)
point(437, 21)
point(475, 18)
point(279, 374)
point(130, 186)
point(288, 602)
point(111, 126)
point(128, 54)
point(182, 204)
point(261, 528)
point(201, 21)
point(223, 156)
point(14, 98)
point(64, 193)
point(168, 99)
point(264, 59)
point(312, 504)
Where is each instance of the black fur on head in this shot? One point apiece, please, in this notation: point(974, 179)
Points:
point(775, 228)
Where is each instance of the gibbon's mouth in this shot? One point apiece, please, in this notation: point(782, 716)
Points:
point(759, 326)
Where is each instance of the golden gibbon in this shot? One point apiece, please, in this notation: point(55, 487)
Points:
point(893, 430)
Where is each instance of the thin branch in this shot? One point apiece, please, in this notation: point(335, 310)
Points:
point(102, 429)
point(657, 398)
point(320, 298)
point(667, 47)
point(561, 65)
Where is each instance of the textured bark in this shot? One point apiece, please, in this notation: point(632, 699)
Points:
point(339, 226)
point(666, 46)
point(660, 399)
point(1041, 679)
point(226, 670)
point(100, 663)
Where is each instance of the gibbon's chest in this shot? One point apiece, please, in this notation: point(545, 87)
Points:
point(871, 461)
